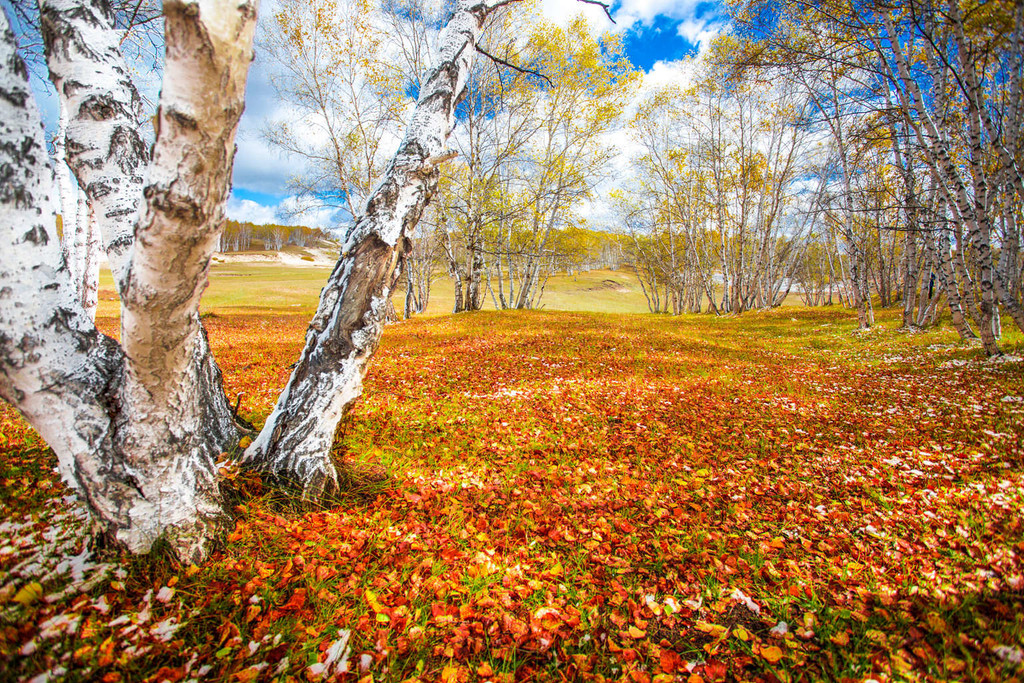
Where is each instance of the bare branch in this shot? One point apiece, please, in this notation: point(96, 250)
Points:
point(602, 5)
point(514, 67)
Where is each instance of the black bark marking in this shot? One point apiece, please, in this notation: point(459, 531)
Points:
point(174, 205)
point(128, 150)
point(27, 344)
point(16, 97)
point(122, 242)
point(19, 96)
point(101, 107)
point(181, 119)
point(37, 236)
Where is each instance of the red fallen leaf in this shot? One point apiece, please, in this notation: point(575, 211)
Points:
point(243, 676)
point(166, 673)
point(296, 602)
point(624, 526)
point(451, 554)
point(228, 632)
point(669, 660)
point(715, 669)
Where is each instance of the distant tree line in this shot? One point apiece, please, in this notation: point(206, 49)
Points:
point(436, 248)
point(849, 152)
point(852, 152)
point(245, 236)
point(735, 205)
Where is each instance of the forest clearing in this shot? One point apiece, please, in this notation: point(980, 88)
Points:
point(575, 496)
point(511, 340)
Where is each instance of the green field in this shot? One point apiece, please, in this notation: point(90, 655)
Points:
point(250, 287)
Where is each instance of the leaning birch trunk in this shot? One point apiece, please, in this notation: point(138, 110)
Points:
point(295, 443)
point(135, 431)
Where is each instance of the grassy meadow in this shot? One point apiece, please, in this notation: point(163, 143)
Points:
point(591, 494)
point(270, 287)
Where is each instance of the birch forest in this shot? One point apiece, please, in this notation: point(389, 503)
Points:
point(648, 341)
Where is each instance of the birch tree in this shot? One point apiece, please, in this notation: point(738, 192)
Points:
point(952, 73)
point(137, 426)
point(587, 84)
point(333, 70)
point(294, 444)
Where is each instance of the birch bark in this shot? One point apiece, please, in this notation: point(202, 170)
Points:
point(294, 445)
point(104, 148)
point(135, 431)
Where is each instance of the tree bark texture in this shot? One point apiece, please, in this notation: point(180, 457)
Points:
point(104, 147)
point(137, 430)
point(294, 444)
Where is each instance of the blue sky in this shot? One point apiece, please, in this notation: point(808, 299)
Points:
point(660, 41)
point(655, 33)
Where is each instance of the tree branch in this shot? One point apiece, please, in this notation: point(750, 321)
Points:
point(602, 5)
point(514, 67)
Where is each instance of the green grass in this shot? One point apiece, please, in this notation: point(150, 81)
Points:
point(276, 288)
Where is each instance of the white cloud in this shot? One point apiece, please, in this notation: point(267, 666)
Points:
point(291, 210)
point(248, 211)
point(678, 72)
point(701, 32)
point(631, 12)
point(561, 12)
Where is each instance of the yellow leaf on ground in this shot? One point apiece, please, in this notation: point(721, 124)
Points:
point(29, 593)
point(771, 654)
point(840, 639)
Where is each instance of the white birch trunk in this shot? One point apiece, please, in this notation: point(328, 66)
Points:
point(69, 192)
point(104, 148)
point(136, 432)
point(88, 242)
point(294, 445)
point(180, 420)
point(55, 368)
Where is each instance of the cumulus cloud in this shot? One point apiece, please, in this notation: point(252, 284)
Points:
point(290, 210)
point(678, 72)
point(248, 211)
point(701, 32)
point(632, 12)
